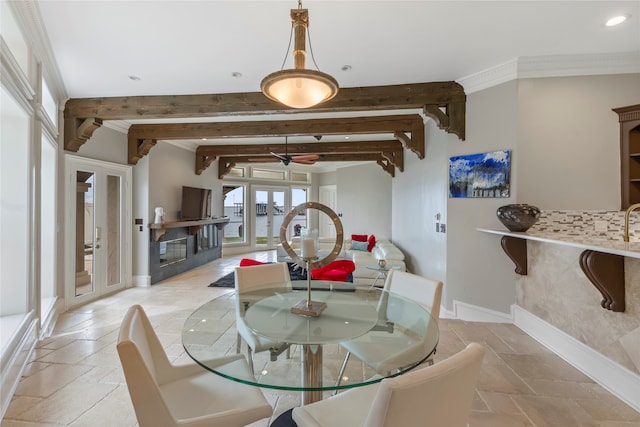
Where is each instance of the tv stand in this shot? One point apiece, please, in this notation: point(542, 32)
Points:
point(159, 230)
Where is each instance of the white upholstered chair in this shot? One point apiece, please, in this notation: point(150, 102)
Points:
point(439, 395)
point(167, 395)
point(254, 278)
point(424, 291)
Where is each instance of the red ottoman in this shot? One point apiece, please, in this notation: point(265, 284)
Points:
point(335, 271)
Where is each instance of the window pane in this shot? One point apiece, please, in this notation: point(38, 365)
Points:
point(267, 174)
point(234, 202)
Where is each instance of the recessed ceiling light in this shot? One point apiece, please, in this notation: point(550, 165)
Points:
point(616, 20)
point(135, 78)
point(346, 68)
point(236, 74)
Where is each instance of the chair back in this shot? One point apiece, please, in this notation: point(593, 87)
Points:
point(426, 292)
point(437, 395)
point(256, 277)
point(144, 362)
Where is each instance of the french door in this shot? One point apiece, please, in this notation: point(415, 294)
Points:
point(327, 198)
point(98, 229)
point(268, 210)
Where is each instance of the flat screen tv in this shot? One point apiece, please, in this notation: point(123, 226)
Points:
point(196, 203)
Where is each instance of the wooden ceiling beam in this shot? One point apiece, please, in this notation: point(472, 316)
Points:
point(392, 97)
point(443, 101)
point(297, 149)
point(344, 151)
point(276, 128)
point(226, 163)
point(412, 124)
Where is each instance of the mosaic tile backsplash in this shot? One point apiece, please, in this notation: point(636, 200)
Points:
point(581, 225)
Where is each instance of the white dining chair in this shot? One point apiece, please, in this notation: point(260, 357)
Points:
point(254, 278)
point(167, 395)
point(438, 395)
point(382, 355)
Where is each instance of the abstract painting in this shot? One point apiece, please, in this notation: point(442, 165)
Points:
point(480, 175)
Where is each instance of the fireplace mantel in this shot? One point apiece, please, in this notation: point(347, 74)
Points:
point(160, 229)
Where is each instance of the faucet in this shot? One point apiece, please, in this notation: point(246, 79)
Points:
point(626, 220)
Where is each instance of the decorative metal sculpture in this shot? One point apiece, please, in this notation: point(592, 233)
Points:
point(308, 307)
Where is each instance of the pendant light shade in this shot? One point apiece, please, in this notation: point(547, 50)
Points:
point(299, 87)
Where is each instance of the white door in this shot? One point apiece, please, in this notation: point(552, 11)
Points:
point(98, 228)
point(268, 210)
point(327, 197)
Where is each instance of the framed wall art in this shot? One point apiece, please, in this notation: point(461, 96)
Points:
point(484, 175)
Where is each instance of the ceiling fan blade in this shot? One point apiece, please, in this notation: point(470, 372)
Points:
point(306, 157)
point(281, 157)
point(303, 162)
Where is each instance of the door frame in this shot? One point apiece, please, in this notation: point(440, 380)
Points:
point(71, 164)
point(254, 217)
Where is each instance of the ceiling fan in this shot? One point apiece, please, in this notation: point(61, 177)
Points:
point(304, 159)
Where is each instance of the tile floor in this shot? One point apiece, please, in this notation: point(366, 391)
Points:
point(75, 377)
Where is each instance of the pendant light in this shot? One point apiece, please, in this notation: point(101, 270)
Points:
point(299, 87)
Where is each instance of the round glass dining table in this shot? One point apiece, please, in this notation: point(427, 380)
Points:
point(386, 323)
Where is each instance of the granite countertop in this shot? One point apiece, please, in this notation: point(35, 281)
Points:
point(601, 244)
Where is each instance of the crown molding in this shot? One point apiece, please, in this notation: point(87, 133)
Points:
point(552, 66)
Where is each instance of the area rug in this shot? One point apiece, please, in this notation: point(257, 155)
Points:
point(229, 280)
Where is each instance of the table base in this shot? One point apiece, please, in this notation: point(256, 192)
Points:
point(311, 372)
point(304, 308)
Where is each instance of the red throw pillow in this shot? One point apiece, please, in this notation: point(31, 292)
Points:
point(359, 237)
point(372, 242)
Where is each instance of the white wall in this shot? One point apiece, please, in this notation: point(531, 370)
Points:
point(569, 140)
point(364, 193)
point(106, 144)
point(171, 167)
point(419, 194)
point(478, 272)
point(565, 155)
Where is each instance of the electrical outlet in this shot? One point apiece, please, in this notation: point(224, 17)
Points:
point(601, 226)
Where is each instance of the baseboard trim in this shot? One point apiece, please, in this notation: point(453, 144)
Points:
point(474, 313)
point(617, 379)
point(141, 281)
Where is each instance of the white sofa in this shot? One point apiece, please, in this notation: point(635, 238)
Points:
point(383, 249)
point(362, 275)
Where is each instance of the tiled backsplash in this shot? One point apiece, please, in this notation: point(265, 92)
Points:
point(583, 223)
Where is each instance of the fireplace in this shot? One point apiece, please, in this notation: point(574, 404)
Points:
point(172, 251)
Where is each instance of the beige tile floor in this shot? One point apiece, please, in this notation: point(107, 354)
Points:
point(75, 377)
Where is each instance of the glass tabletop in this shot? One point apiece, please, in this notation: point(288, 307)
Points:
point(385, 268)
point(363, 315)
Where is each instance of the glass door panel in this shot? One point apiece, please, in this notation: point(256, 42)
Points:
point(268, 214)
point(277, 216)
point(85, 238)
point(113, 232)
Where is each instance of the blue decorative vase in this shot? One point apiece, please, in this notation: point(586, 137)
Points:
point(518, 217)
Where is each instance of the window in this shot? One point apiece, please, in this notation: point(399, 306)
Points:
point(268, 174)
point(234, 201)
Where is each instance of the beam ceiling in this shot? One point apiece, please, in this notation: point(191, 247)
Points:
point(445, 102)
